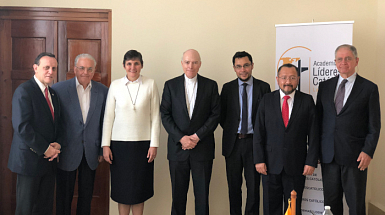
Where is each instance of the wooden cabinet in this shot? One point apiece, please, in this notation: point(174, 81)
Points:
point(26, 32)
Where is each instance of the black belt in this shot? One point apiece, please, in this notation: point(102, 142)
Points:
point(244, 136)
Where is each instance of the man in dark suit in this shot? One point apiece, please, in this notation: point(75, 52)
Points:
point(286, 141)
point(190, 113)
point(237, 121)
point(82, 109)
point(349, 110)
point(35, 116)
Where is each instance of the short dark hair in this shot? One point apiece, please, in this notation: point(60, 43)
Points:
point(241, 55)
point(43, 54)
point(132, 54)
point(288, 65)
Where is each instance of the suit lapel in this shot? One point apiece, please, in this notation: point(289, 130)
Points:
point(356, 90)
point(200, 91)
point(75, 103)
point(93, 102)
point(331, 91)
point(235, 92)
point(41, 98)
point(255, 95)
point(277, 106)
point(55, 103)
point(181, 94)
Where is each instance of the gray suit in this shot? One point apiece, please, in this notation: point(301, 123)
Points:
point(80, 143)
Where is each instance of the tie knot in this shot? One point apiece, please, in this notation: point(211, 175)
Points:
point(46, 90)
point(344, 81)
point(286, 98)
point(244, 84)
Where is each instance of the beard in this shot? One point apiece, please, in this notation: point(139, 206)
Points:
point(287, 92)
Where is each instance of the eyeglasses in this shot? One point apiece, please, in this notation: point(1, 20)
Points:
point(290, 78)
point(244, 66)
point(347, 59)
point(83, 69)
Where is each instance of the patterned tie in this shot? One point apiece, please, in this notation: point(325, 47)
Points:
point(244, 125)
point(339, 102)
point(49, 103)
point(285, 110)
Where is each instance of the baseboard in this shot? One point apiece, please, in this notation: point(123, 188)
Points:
point(373, 210)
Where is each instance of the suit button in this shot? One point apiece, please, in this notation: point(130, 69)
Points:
point(82, 141)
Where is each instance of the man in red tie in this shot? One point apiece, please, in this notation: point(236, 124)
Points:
point(285, 143)
point(35, 116)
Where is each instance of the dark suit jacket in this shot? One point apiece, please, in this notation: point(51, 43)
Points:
point(356, 128)
point(203, 122)
point(34, 129)
point(75, 136)
point(230, 110)
point(288, 148)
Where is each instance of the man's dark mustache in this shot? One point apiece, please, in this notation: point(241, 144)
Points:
point(288, 85)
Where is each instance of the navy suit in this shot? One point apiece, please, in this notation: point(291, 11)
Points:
point(285, 150)
point(81, 144)
point(238, 152)
point(344, 136)
point(176, 121)
point(34, 129)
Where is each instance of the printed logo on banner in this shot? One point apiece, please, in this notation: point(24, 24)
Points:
point(299, 56)
point(311, 71)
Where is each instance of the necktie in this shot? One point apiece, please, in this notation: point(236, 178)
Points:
point(339, 102)
point(244, 125)
point(285, 110)
point(49, 103)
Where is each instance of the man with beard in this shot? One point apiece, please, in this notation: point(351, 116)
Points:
point(285, 145)
point(239, 103)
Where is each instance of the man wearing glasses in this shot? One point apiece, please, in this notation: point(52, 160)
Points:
point(82, 103)
point(285, 141)
point(239, 103)
point(349, 109)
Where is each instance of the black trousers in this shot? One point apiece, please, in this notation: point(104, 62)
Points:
point(180, 179)
point(279, 187)
point(241, 160)
point(34, 195)
point(65, 184)
point(338, 179)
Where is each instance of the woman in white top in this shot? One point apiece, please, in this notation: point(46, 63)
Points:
point(131, 136)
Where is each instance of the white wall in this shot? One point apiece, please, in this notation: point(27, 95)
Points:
point(162, 30)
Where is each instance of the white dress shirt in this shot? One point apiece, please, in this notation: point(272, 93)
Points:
point(290, 101)
point(84, 96)
point(191, 86)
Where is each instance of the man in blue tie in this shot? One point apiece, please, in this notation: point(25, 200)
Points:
point(239, 103)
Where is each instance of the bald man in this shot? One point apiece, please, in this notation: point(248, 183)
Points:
point(190, 113)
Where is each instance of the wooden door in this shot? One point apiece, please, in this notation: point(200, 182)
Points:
point(26, 32)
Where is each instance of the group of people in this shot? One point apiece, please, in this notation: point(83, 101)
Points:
point(279, 137)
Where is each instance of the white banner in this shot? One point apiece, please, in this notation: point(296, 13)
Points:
point(311, 46)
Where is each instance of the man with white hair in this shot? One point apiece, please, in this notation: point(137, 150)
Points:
point(82, 101)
